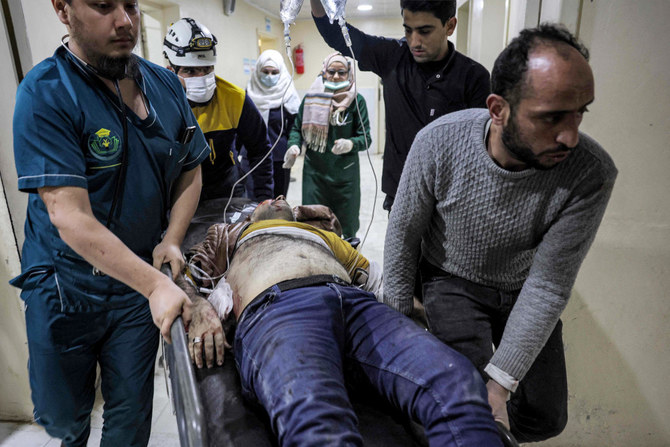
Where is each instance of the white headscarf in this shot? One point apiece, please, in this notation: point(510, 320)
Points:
point(268, 98)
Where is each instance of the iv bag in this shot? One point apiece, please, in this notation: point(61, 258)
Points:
point(289, 10)
point(334, 9)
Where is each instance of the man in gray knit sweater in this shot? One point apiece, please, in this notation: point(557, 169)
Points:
point(498, 208)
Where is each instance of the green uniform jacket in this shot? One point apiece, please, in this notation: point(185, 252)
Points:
point(334, 180)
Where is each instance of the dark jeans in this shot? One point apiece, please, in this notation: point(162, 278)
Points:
point(471, 319)
point(292, 349)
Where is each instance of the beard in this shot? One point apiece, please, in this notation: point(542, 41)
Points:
point(117, 67)
point(519, 149)
point(113, 68)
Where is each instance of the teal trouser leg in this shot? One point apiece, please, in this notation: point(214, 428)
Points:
point(127, 361)
point(62, 359)
point(64, 349)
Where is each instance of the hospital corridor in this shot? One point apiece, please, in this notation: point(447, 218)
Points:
point(521, 144)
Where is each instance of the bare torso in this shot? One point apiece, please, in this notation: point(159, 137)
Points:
point(268, 259)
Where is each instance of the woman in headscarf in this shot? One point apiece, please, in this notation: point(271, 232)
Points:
point(330, 126)
point(271, 89)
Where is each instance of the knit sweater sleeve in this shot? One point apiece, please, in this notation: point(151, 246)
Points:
point(409, 219)
point(555, 265)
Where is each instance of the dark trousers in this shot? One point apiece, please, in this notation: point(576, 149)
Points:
point(64, 349)
point(471, 319)
point(292, 348)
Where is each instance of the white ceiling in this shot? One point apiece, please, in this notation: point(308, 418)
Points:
point(380, 8)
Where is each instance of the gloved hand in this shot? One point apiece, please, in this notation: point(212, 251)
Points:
point(342, 146)
point(290, 156)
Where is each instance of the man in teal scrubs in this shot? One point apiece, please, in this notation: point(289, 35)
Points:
point(106, 145)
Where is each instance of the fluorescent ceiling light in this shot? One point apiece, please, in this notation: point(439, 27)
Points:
point(365, 7)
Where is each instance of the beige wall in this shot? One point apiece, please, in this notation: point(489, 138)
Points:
point(14, 389)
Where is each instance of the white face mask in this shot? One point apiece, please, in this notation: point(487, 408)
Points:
point(200, 89)
point(330, 85)
point(269, 80)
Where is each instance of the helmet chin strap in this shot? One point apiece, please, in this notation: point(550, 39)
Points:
point(95, 71)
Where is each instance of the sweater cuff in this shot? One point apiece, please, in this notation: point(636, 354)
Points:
point(501, 377)
point(512, 361)
point(403, 306)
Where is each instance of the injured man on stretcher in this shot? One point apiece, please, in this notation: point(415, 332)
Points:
point(306, 311)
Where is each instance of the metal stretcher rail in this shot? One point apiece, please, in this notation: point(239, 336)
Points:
point(185, 396)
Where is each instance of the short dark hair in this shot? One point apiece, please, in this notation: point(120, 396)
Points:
point(442, 9)
point(508, 76)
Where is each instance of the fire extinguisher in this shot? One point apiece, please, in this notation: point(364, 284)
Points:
point(299, 59)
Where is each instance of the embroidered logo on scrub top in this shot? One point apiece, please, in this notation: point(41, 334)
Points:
point(104, 144)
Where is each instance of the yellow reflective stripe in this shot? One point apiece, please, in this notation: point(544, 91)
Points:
point(212, 154)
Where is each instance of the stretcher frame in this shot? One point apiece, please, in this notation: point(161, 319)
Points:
point(180, 379)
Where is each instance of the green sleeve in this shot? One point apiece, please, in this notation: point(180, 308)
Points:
point(295, 136)
point(361, 122)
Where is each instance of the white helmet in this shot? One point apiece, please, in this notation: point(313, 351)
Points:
point(189, 44)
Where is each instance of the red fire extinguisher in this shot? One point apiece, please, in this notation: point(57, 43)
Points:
point(299, 60)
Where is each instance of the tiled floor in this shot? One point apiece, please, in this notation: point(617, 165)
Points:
point(164, 428)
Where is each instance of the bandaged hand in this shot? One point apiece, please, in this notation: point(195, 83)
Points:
point(342, 146)
point(290, 156)
point(221, 299)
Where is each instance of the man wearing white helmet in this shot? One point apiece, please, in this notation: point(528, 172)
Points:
point(224, 113)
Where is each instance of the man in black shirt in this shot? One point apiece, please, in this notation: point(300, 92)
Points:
point(424, 76)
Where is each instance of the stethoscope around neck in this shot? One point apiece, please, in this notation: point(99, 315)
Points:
point(93, 75)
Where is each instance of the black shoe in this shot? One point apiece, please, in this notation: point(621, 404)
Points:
point(506, 437)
